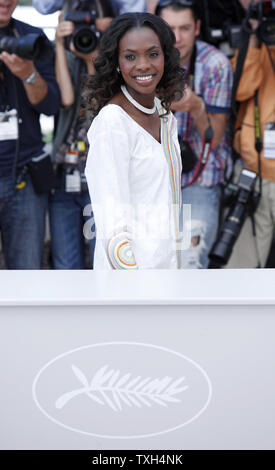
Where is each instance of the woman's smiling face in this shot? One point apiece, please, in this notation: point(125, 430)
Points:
point(141, 61)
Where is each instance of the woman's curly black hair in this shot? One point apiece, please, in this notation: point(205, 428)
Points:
point(106, 81)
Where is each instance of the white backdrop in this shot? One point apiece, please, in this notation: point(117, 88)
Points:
point(140, 360)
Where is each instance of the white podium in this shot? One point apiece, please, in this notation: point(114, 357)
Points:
point(137, 360)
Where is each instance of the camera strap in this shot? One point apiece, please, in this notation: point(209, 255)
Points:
point(246, 31)
point(208, 135)
point(207, 143)
point(190, 78)
point(270, 58)
point(258, 138)
point(258, 147)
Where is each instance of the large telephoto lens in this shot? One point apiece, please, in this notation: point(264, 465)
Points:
point(31, 47)
point(229, 232)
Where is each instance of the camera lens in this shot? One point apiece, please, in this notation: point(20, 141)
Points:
point(230, 230)
point(28, 47)
point(85, 40)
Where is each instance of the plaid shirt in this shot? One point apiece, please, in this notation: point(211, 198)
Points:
point(213, 81)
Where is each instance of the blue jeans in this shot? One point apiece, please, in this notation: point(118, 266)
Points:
point(205, 207)
point(22, 224)
point(66, 223)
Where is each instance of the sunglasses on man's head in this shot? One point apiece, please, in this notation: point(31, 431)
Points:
point(166, 3)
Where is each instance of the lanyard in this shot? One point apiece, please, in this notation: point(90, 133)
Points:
point(207, 141)
point(190, 78)
point(191, 69)
point(204, 156)
point(258, 139)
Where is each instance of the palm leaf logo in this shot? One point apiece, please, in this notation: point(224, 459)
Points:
point(110, 387)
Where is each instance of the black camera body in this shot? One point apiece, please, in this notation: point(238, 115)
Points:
point(31, 47)
point(264, 12)
point(243, 199)
point(230, 31)
point(86, 36)
point(188, 158)
point(265, 8)
point(221, 21)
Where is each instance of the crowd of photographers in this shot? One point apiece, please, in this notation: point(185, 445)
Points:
point(226, 127)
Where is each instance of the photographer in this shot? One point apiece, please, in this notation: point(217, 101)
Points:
point(27, 89)
point(202, 116)
point(75, 50)
point(256, 90)
point(119, 6)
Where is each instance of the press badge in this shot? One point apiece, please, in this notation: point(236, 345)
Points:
point(73, 181)
point(9, 125)
point(71, 157)
point(269, 140)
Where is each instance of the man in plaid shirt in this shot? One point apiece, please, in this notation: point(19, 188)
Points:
point(206, 101)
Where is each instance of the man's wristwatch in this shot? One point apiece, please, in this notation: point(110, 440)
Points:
point(31, 78)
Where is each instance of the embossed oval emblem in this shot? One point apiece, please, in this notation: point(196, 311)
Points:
point(122, 390)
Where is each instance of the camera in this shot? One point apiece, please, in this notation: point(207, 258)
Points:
point(265, 8)
point(264, 12)
point(188, 158)
point(230, 33)
point(85, 36)
point(228, 25)
point(31, 47)
point(244, 200)
point(221, 21)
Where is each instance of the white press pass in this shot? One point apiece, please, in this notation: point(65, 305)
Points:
point(269, 140)
point(73, 182)
point(9, 125)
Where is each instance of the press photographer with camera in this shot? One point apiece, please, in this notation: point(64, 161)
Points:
point(27, 89)
point(77, 38)
point(255, 133)
point(220, 22)
point(119, 6)
point(202, 116)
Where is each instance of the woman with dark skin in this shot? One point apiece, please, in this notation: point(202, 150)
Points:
point(133, 168)
point(134, 68)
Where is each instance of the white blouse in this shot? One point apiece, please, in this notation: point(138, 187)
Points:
point(134, 185)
